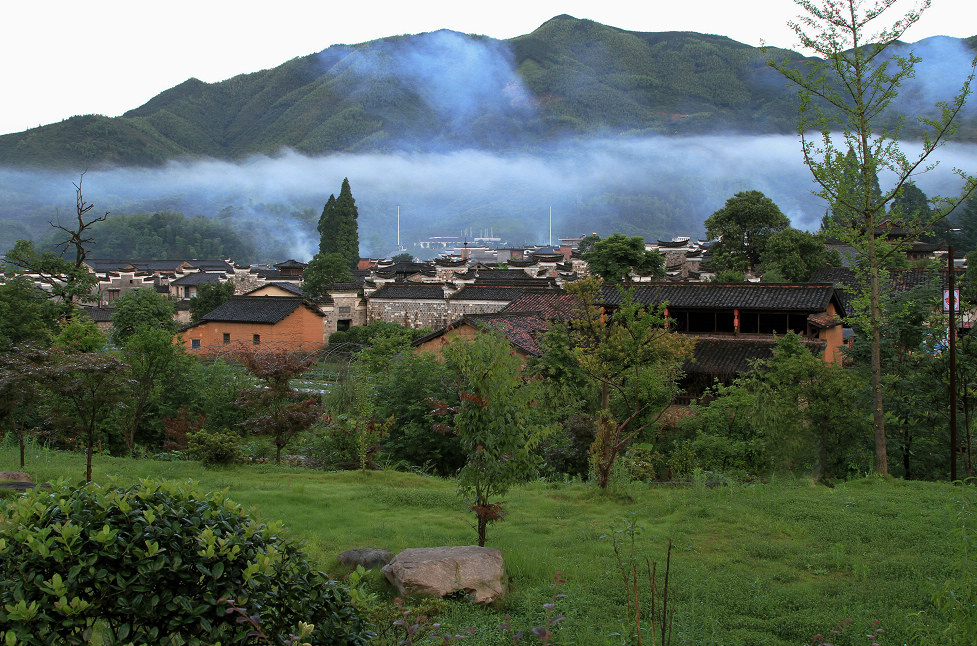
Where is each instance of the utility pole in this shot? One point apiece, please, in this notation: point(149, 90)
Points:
point(952, 334)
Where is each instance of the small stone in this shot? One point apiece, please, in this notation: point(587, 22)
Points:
point(371, 558)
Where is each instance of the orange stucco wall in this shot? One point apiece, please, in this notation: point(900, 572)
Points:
point(834, 336)
point(302, 329)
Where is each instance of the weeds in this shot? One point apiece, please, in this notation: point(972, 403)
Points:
point(543, 631)
point(661, 615)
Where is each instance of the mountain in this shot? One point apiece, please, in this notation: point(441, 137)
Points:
point(442, 89)
point(574, 128)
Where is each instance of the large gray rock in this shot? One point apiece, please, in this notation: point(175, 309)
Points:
point(370, 558)
point(440, 571)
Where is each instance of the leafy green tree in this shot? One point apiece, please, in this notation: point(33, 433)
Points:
point(843, 95)
point(787, 412)
point(154, 366)
point(322, 271)
point(141, 308)
point(493, 421)
point(277, 409)
point(635, 361)
point(616, 257)
point(88, 385)
point(64, 281)
point(587, 243)
point(209, 298)
point(27, 315)
point(965, 241)
point(742, 228)
point(793, 256)
point(405, 390)
point(20, 368)
point(841, 214)
point(403, 257)
point(338, 228)
point(80, 334)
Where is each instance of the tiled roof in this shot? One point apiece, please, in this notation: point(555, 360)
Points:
point(256, 309)
point(198, 278)
point(99, 314)
point(549, 304)
point(519, 328)
point(212, 265)
point(412, 290)
point(503, 275)
point(803, 297)
point(728, 356)
point(823, 320)
point(487, 293)
point(900, 280)
point(291, 264)
point(291, 288)
point(102, 265)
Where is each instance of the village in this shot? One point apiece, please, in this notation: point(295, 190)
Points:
point(516, 292)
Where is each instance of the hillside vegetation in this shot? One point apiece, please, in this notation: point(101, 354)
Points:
point(569, 77)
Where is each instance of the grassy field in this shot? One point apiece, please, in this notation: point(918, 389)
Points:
point(773, 563)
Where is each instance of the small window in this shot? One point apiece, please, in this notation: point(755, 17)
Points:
point(256, 339)
point(227, 338)
point(194, 344)
point(343, 324)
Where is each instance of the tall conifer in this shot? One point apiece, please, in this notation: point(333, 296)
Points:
point(347, 236)
point(327, 226)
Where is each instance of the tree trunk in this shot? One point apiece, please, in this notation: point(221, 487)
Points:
point(875, 320)
point(482, 524)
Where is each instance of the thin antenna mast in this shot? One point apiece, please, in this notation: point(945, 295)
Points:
point(551, 226)
point(398, 227)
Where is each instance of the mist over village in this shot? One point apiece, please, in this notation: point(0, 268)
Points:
point(589, 335)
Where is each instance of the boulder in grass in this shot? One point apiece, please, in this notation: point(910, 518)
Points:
point(371, 558)
point(440, 571)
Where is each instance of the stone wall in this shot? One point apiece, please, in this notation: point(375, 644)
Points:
point(410, 313)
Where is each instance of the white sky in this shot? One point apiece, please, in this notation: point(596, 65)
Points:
point(63, 58)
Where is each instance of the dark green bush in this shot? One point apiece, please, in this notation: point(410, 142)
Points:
point(156, 563)
point(215, 448)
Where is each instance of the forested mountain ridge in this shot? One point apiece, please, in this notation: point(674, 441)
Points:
point(431, 91)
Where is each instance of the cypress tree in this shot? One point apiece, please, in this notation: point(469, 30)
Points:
point(347, 236)
point(338, 228)
point(327, 227)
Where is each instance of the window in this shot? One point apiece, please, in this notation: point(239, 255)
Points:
point(113, 294)
point(227, 338)
point(256, 339)
point(194, 344)
point(343, 324)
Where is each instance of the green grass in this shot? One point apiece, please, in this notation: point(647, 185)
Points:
point(767, 564)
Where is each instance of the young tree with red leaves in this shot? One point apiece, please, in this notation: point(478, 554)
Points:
point(494, 422)
point(279, 410)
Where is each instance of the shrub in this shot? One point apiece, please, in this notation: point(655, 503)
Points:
point(156, 563)
point(214, 448)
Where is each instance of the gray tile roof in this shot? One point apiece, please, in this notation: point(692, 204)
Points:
point(199, 278)
point(487, 293)
point(256, 309)
point(801, 297)
point(413, 290)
